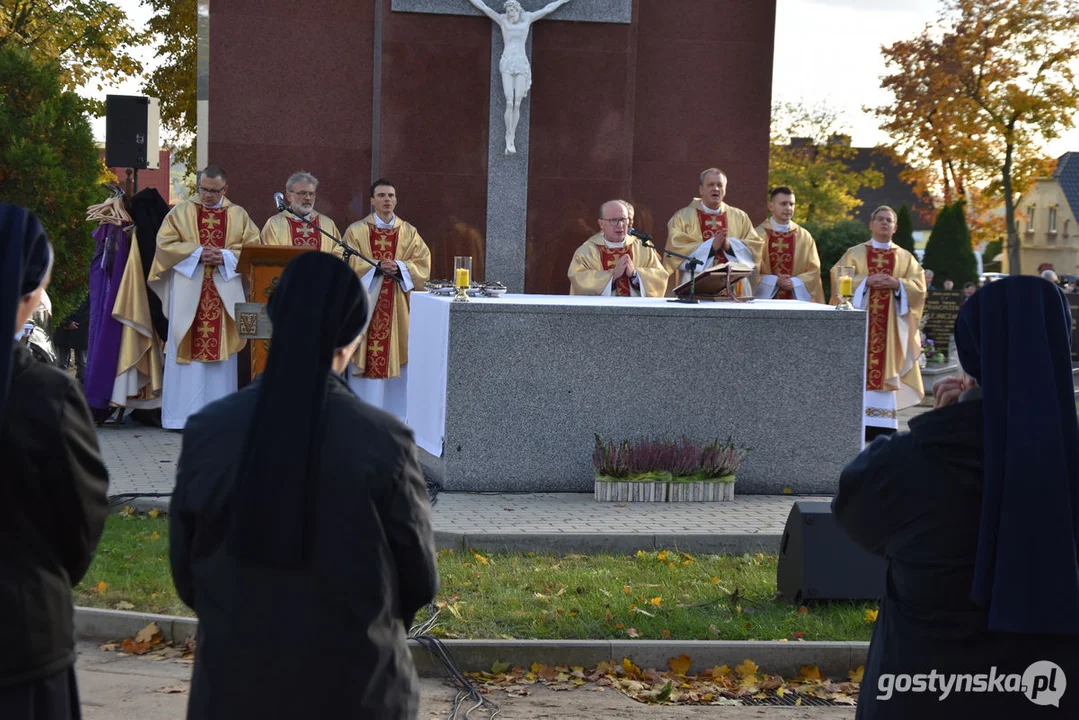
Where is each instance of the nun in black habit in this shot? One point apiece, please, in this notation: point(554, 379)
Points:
point(300, 526)
point(53, 500)
point(976, 510)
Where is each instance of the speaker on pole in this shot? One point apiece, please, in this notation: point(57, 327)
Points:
point(131, 131)
point(817, 561)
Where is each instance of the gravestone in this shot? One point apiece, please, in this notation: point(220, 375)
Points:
point(941, 310)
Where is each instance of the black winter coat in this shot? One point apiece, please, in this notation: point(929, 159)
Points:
point(915, 499)
point(328, 641)
point(53, 505)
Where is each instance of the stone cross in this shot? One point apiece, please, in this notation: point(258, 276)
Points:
point(507, 175)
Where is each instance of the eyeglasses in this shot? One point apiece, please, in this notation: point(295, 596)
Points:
point(616, 221)
point(304, 194)
point(210, 191)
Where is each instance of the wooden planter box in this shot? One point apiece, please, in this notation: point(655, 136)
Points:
point(662, 491)
point(626, 491)
point(701, 491)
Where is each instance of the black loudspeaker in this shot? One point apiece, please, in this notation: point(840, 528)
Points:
point(131, 131)
point(817, 561)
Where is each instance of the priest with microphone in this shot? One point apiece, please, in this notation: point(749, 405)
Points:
point(288, 227)
point(614, 261)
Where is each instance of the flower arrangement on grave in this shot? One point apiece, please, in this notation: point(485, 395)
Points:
point(930, 352)
point(665, 463)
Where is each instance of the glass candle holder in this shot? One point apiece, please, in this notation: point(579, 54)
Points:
point(462, 276)
point(845, 289)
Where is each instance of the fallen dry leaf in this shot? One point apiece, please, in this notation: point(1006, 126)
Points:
point(856, 675)
point(148, 633)
point(632, 632)
point(870, 616)
point(680, 665)
point(154, 513)
point(172, 689)
point(101, 586)
point(123, 605)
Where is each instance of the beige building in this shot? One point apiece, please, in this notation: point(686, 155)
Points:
point(1046, 221)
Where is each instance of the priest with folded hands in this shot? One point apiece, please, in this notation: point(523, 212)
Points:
point(614, 263)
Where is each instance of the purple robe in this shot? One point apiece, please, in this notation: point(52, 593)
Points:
point(103, 346)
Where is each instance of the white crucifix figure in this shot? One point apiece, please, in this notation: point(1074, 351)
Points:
point(514, 66)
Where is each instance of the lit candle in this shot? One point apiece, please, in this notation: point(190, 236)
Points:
point(461, 278)
point(846, 286)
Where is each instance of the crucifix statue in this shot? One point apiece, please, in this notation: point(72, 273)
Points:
point(514, 66)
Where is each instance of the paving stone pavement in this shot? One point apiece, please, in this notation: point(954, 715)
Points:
point(142, 468)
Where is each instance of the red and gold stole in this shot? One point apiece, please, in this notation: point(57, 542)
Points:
point(208, 330)
point(710, 226)
point(303, 235)
point(781, 257)
point(609, 256)
point(880, 302)
point(377, 363)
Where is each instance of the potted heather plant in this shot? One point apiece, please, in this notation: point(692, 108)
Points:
point(713, 478)
point(647, 470)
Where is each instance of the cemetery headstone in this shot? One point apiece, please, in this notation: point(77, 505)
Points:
point(941, 310)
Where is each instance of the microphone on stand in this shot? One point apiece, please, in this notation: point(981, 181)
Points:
point(643, 237)
point(279, 201)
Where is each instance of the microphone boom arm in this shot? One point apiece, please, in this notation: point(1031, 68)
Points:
point(348, 252)
point(691, 263)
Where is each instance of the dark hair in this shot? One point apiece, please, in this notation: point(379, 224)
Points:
point(381, 181)
point(969, 285)
point(215, 171)
point(780, 190)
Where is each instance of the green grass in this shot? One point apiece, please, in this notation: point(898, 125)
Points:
point(537, 596)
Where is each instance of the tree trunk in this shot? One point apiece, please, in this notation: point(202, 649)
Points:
point(1009, 212)
point(947, 183)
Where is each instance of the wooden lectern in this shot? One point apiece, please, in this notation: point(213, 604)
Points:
point(260, 266)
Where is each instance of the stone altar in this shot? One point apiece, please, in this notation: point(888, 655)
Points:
point(505, 394)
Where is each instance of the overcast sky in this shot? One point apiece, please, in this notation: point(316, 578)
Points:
point(826, 51)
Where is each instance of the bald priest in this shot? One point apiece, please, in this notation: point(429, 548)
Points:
point(613, 262)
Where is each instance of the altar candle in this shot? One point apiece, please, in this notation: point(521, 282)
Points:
point(845, 286)
point(461, 278)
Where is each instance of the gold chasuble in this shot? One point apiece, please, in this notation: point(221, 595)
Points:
point(691, 226)
point(284, 229)
point(893, 342)
point(791, 253)
point(140, 366)
point(205, 332)
point(385, 347)
point(590, 269)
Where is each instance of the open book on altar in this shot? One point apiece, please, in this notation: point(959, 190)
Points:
point(712, 283)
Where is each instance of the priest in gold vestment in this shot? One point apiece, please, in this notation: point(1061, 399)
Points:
point(890, 285)
point(612, 262)
point(285, 228)
point(790, 265)
point(378, 373)
point(194, 274)
point(713, 232)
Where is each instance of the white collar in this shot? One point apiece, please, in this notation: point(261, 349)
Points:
point(881, 246)
point(292, 213)
point(217, 206)
point(385, 225)
point(612, 245)
point(710, 211)
point(780, 228)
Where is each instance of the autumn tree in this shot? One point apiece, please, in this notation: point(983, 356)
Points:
point(809, 155)
point(49, 163)
point(88, 39)
point(174, 26)
point(979, 94)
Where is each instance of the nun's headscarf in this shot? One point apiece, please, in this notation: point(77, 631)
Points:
point(1014, 337)
point(25, 259)
point(318, 307)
